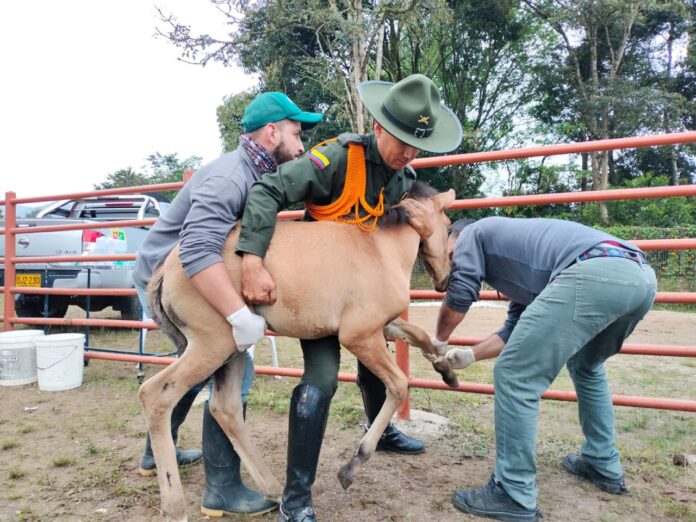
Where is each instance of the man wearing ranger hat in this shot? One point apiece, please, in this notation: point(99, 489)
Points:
point(350, 179)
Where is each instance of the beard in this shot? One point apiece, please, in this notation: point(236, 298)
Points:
point(282, 154)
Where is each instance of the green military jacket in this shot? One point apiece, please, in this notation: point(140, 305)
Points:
point(318, 179)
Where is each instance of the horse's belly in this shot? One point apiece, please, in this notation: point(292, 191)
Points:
point(301, 323)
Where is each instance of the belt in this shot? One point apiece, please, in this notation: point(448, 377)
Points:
point(612, 249)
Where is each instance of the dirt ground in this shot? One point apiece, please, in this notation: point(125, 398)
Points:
point(75, 457)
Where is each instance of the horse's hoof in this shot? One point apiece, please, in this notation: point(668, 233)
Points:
point(344, 477)
point(450, 379)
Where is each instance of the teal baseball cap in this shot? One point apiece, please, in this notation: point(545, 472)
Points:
point(269, 107)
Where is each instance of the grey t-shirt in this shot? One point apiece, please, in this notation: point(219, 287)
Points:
point(200, 217)
point(517, 257)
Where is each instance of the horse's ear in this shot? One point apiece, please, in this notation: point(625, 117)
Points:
point(444, 199)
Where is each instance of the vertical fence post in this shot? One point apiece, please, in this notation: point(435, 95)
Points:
point(404, 411)
point(10, 253)
point(188, 172)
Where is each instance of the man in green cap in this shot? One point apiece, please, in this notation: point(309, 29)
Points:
point(199, 221)
point(350, 179)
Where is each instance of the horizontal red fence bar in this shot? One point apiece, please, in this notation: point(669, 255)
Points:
point(490, 295)
point(106, 192)
point(645, 244)
point(561, 197)
point(665, 244)
point(667, 350)
point(126, 223)
point(575, 197)
point(75, 321)
point(73, 291)
point(555, 150)
point(73, 259)
point(558, 395)
point(619, 400)
point(485, 295)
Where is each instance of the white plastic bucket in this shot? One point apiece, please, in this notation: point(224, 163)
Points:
point(18, 357)
point(60, 361)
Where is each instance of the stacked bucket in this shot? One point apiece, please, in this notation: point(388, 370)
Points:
point(54, 361)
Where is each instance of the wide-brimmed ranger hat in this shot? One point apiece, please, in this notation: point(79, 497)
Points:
point(412, 112)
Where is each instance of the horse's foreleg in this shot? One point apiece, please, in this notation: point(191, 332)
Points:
point(415, 336)
point(372, 354)
point(226, 406)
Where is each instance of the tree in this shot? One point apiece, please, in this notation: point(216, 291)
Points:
point(594, 63)
point(318, 52)
point(167, 168)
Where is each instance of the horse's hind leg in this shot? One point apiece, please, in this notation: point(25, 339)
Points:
point(370, 351)
point(226, 406)
point(158, 395)
point(415, 336)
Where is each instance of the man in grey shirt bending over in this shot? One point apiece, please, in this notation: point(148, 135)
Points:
point(199, 220)
point(575, 294)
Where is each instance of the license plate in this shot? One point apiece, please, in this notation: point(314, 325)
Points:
point(33, 280)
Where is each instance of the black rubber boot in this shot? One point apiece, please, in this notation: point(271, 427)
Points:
point(225, 493)
point(374, 394)
point(309, 411)
point(183, 457)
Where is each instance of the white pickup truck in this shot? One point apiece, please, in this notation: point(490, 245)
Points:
point(106, 240)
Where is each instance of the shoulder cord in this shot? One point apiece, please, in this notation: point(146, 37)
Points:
point(353, 196)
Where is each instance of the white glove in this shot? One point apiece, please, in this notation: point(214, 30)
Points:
point(440, 346)
point(247, 328)
point(460, 358)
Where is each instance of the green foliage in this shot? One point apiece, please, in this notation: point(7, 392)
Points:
point(667, 212)
point(230, 115)
point(167, 168)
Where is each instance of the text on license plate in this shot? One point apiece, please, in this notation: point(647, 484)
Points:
point(28, 280)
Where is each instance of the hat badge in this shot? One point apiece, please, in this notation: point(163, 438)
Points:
point(424, 119)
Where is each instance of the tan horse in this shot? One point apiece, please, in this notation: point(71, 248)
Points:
point(332, 279)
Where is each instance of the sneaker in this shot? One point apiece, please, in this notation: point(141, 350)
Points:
point(492, 501)
point(577, 465)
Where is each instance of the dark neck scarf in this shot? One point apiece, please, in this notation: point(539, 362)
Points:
point(259, 156)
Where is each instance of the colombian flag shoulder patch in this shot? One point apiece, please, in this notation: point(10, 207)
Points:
point(318, 158)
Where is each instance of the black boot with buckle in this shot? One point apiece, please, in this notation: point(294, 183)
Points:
point(183, 457)
point(309, 411)
point(225, 493)
point(374, 394)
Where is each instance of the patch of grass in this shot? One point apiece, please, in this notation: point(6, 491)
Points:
point(93, 450)
point(23, 429)
point(25, 514)
point(678, 510)
point(16, 473)
point(13, 496)
point(638, 420)
point(8, 444)
point(63, 462)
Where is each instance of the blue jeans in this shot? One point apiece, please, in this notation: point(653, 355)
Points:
point(248, 369)
point(580, 319)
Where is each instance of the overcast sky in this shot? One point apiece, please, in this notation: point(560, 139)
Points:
point(87, 89)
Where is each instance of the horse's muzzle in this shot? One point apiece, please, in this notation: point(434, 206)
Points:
point(441, 286)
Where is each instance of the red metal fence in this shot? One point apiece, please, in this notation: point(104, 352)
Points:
point(402, 355)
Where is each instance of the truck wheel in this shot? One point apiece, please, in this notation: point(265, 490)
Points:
point(57, 307)
point(131, 310)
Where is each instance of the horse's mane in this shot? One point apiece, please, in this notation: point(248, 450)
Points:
point(396, 215)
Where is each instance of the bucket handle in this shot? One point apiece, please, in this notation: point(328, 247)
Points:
point(59, 360)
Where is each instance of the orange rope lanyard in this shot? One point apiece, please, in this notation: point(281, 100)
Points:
point(353, 197)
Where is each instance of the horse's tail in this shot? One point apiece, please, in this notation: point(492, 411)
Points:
point(167, 320)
